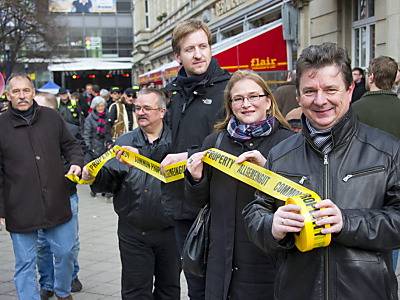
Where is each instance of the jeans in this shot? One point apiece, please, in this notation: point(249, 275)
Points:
point(395, 256)
point(45, 256)
point(62, 240)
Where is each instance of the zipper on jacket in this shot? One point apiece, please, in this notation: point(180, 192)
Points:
point(326, 256)
point(303, 179)
point(364, 172)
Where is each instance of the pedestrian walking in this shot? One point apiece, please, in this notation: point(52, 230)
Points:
point(35, 195)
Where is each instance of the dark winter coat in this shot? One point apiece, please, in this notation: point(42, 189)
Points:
point(96, 144)
point(361, 176)
point(71, 112)
point(236, 268)
point(359, 90)
point(380, 109)
point(191, 118)
point(137, 195)
point(33, 189)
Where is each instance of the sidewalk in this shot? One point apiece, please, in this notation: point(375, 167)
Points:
point(98, 258)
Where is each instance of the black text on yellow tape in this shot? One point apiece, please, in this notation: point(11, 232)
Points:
point(260, 178)
point(171, 173)
point(278, 187)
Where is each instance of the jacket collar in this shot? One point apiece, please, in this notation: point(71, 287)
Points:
point(214, 75)
point(381, 92)
point(341, 132)
point(17, 120)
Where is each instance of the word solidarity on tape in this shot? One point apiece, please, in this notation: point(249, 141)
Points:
point(260, 178)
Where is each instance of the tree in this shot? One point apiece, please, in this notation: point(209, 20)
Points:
point(27, 30)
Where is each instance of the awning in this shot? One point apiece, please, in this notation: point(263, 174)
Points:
point(258, 49)
point(50, 87)
point(93, 64)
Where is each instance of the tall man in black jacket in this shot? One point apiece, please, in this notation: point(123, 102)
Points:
point(33, 190)
point(355, 169)
point(145, 232)
point(196, 104)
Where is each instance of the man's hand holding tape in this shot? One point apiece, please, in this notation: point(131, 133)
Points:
point(86, 174)
point(287, 218)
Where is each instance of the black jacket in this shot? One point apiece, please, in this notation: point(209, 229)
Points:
point(95, 143)
point(137, 195)
point(361, 175)
point(33, 189)
point(359, 90)
point(191, 117)
point(236, 268)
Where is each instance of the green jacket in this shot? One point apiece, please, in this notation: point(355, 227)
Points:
point(380, 109)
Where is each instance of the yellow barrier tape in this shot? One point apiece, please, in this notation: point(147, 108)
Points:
point(171, 173)
point(278, 187)
point(260, 178)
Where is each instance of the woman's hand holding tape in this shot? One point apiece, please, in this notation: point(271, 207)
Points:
point(253, 156)
point(286, 219)
point(194, 165)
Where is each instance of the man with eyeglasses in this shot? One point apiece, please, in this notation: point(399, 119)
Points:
point(196, 105)
point(145, 232)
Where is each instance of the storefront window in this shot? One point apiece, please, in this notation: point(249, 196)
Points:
point(363, 32)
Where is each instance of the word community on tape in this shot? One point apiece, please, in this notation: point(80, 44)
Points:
point(266, 181)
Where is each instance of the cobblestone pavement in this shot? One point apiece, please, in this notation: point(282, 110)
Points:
point(98, 258)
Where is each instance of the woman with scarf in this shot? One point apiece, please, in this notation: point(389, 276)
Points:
point(97, 130)
point(236, 268)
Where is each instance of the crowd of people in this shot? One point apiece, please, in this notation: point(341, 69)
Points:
point(330, 128)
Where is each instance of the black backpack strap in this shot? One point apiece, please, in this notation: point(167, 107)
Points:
point(219, 139)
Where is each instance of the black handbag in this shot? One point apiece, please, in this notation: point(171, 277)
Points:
point(195, 248)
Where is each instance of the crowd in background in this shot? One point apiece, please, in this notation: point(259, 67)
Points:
point(305, 130)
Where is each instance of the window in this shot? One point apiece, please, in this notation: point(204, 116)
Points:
point(146, 13)
point(124, 6)
point(363, 32)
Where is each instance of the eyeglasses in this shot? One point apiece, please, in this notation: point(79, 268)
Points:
point(145, 109)
point(129, 95)
point(239, 100)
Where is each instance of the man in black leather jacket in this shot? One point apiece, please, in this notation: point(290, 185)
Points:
point(146, 235)
point(355, 169)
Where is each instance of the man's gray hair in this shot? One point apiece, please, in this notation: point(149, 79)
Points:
point(162, 97)
point(19, 75)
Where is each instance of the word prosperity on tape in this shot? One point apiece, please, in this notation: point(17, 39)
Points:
point(260, 178)
point(278, 187)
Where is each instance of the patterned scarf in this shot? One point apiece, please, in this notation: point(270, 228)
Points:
point(322, 139)
point(244, 132)
point(101, 123)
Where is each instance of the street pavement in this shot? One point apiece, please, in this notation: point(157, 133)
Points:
point(99, 260)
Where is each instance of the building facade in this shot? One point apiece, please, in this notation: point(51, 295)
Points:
point(366, 28)
point(154, 21)
point(98, 43)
